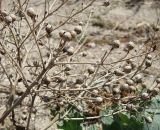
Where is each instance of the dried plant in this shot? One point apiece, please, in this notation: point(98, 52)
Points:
point(36, 62)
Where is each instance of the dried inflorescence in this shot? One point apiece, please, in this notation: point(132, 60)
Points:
point(55, 69)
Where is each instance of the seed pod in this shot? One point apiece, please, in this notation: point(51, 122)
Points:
point(130, 107)
point(25, 110)
point(80, 108)
point(115, 44)
point(61, 33)
point(78, 29)
point(4, 13)
point(31, 13)
point(73, 33)
point(99, 99)
point(116, 90)
point(106, 3)
point(149, 57)
point(49, 28)
point(158, 80)
point(67, 36)
point(23, 116)
point(130, 45)
point(144, 96)
point(61, 103)
point(70, 51)
point(132, 88)
point(138, 78)
point(127, 69)
point(34, 110)
point(80, 80)
point(14, 17)
point(148, 63)
point(8, 19)
point(125, 87)
point(60, 79)
point(118, 72)
point(67, 67)
point(130, 82)
point(46, 80)
point(91, 69)
point(95, 91)
point(148, 119)
point(155, 91)
point(84, 54)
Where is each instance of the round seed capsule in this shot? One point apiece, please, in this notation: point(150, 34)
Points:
point(91, 69)
point(99, 99)
point(130, 82)
point(130, 107)
point(118, 72)
point(67, 36)
point(156, 91)
point(31, 12)
point(127, 69)
point(78, 29)
point(130, 45)
point(8, 19)
point(4, 13)
point(70, 51)
point(73, 33)
point(61, 33)
point(80, 80)
point(132, 88)
point(14, 17)
point(149, 57)
point(158, 80)
point(115, 44)
point(125, 87)
point(95, 91)
point(148, 63)
point(144, 96)
point(49, 28)
point(138, 78)
point(116, 90)
point(23, 116)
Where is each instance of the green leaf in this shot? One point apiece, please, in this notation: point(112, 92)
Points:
point(153, 110)
point(69, 125)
